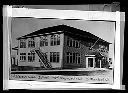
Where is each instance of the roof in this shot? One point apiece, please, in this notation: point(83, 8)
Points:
point(62, 29)
point(98, 54)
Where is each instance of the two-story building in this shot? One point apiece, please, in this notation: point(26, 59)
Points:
point(64, 47)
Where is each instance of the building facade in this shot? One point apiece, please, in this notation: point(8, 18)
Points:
point(63, 47)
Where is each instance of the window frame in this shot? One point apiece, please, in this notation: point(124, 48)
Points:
point(31, 42)
point(55, 57)
point(22, 43)
point(31, 57)
point(22, 57)
point(55, 39)
point(73, 43)
point(73, 58)
point(43, 41)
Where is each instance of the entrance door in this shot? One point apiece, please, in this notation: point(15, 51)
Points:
point(90, 62)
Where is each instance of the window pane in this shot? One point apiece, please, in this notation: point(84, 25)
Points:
point(31, 42)
point(58, 56)
point(68, 55)
point(51, 59)
point(74, 55)
point(70, 43)
point(46, 42)
point(22, 56)
point(51, 40)
point(71, 57)
point(73, 43)
point(67, 59)
point(78, 59)
point(58, 39)
point(22, 43)
point(54, 57)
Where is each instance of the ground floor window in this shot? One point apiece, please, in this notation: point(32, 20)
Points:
point(22, 56)
point(73, 58)
point(54, 56)
point(31, 57)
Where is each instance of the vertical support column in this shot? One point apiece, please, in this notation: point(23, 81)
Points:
point(94, 62)
point(86, 62)
point(18, 52)
point(100, 64)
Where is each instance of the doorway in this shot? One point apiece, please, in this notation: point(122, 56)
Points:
point(90, 62)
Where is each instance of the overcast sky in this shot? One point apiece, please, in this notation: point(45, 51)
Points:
point(102, 29)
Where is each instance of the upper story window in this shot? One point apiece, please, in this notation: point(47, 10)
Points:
point(44, 41)
point(73, 58)
point(55, 39)
point(31, 57)
point(22, 57)
point(23, 43)
point(54, 56)
point(73, 43)
point(90, 44)
point(31, 42)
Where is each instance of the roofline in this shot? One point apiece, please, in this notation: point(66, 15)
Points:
point(93, 38)
point(49, 33)
point(22, 37)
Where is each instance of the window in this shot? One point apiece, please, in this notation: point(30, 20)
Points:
point(22, 56)
point(77, 58)
point(43, 41)
point(31, 42)
point(55, 40)
point(90, 44)
point(77, 44)
point(54, 56)
point(52, 40)
point(22, 43)
point(58, 39)
point(73, 43)
point(68, 42)
point(70, 45)
point(58, 57)
point(68, 57)
point(31, 57)
point(73, 58)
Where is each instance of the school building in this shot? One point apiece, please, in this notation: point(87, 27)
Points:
point(62, 47)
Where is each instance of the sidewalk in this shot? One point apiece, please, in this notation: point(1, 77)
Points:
point(77, 69)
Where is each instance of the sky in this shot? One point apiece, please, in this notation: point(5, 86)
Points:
point(102, 29)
